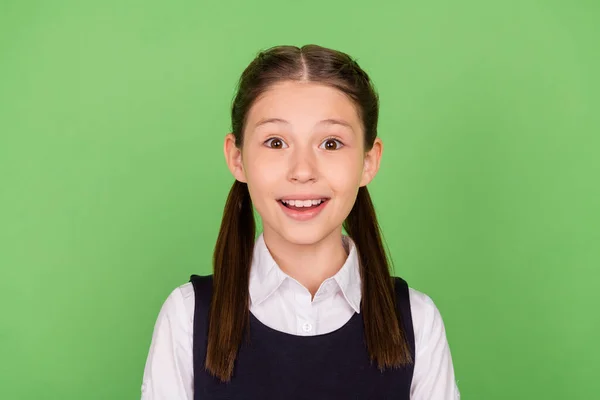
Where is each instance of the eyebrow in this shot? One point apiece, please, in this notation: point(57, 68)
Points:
point(329, 121)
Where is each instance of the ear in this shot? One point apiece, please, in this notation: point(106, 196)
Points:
point(371, 162)
point(233, 157)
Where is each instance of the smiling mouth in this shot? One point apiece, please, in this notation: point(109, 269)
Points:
point(303, 205)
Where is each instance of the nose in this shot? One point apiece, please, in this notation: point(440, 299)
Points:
point(302, 166)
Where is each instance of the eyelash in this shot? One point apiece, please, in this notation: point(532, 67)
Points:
point(340, 144)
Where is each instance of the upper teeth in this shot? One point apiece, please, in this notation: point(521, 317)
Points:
point(302, 203)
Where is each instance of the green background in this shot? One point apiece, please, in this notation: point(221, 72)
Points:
point(112, 119)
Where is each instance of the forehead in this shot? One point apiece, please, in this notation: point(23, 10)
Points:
point(303, 103)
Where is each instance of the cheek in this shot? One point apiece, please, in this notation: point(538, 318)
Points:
point(262, 176)
point(344, 184)
point(344, 176)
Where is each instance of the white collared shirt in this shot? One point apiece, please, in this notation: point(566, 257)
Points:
point(282, 303)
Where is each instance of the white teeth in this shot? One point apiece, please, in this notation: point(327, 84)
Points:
point(302, 203)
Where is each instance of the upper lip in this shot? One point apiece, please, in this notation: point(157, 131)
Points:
point(304, 197)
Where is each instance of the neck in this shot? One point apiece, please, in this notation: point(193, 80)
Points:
point(309, 264)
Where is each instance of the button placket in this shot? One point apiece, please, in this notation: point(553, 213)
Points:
point(307, 327)
point(303, 311)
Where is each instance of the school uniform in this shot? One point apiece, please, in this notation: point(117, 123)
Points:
point(299, 348)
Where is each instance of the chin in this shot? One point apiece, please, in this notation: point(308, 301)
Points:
point(305, 235)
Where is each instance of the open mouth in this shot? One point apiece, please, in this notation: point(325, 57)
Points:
point(303, 205)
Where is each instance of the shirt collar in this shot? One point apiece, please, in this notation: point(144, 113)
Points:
point(348, 277)
point(266, 276)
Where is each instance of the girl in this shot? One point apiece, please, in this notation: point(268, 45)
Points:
point(302, 311)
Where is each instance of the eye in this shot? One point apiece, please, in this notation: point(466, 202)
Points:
point(331, 144)
point(275, 143)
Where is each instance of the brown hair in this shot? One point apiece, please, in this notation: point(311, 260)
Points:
point(229, 310)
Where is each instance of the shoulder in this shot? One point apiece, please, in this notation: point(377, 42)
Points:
point(179, 305)
point(181, 295)
point(434, 373)
point(420, 302)
point(426, 317)
point(186, 292)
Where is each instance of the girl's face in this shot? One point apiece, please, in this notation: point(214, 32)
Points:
point(303, 142)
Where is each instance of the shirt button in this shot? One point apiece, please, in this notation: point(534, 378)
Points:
point(307, 327)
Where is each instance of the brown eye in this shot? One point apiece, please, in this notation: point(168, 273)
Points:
point(275, 143)
point(332, 144)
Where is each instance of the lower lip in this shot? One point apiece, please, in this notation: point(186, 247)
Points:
point(303, 215)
